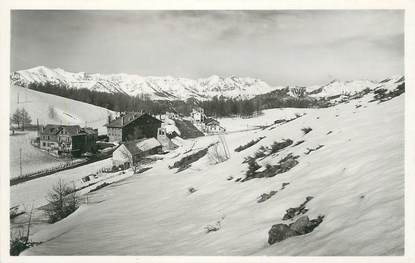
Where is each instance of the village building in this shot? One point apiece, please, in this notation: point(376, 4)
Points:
point(164, 140)
point(130, 152)
point(198, 115)
point(132, 126)
point(63, 140)
point(213, 126)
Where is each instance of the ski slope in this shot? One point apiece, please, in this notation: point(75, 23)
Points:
point(356, 179)
point(66, 111)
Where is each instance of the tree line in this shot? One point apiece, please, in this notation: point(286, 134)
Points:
point(218, 106)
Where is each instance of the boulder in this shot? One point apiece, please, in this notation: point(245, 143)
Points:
point(301, 225)
point(280, 232)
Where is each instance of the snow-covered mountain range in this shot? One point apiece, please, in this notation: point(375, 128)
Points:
point(172, 88)
point(157, 88)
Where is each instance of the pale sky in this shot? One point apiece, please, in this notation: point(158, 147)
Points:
point(279, 47)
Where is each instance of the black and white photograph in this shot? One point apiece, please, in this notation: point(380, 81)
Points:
point(277, 132)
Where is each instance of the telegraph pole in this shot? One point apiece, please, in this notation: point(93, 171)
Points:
point(20, 154)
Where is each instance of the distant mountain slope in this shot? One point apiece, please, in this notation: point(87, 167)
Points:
point(49, 108)
point(156, 88)
point(181, 89)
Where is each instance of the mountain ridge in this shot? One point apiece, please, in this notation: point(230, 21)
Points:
point(178, 88)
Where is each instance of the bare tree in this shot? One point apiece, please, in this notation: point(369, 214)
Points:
point(16, 118)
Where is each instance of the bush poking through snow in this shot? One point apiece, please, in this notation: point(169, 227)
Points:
point(293, 212)
point(306, 130)
point(249, 144)
point(278, 146)
point(301, 226)
point(185, 162)
point(18, 244)
point(63, 201)
point(266, 151)
point(284, 165)
point(252, 167)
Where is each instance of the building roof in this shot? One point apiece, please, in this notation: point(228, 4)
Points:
point(53, 129)
point(50, 129)
point(211, 121)
point(89, 130)
point(142, 145)
point(126, 119)
point(72, 130)
point(148, 144)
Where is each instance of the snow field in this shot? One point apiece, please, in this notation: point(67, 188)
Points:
point(356, 179)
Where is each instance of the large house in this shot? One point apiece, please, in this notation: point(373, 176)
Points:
point(71, 140)
point(132, 126)
point(130, 152)
point(213, 126)
point(198, 115)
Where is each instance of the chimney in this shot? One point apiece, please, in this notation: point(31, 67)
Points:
point(122, 120)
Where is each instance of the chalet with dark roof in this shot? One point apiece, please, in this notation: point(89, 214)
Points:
point(133, 126)
point(213, 126)
point(67, 139)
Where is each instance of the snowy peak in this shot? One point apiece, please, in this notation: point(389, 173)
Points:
point(157, 88)
point(337, 87)
point(174, 88)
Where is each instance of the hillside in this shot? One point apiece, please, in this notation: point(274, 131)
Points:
point(345, 163)
point(53, 109)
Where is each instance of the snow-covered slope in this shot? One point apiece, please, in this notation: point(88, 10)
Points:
point(352, 87)
point(356, 179)
point(51, 109)
point(163, 88)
